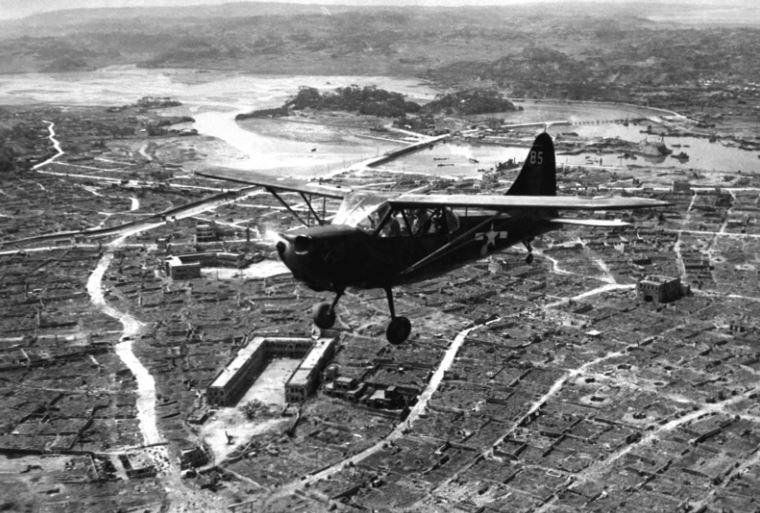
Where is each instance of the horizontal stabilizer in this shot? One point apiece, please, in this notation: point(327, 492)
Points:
point(601, 223)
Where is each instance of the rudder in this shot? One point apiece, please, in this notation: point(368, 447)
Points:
point(538, 176)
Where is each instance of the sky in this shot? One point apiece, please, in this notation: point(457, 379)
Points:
point(10, 9)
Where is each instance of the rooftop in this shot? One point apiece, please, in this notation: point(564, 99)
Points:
point(316, 353)
point(242, 357)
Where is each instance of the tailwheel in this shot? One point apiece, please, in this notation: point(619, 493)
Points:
point(398, 330)
point(324, 315)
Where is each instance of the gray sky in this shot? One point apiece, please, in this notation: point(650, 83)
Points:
point(19, 8)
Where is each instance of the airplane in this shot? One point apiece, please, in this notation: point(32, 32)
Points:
point(385, 239)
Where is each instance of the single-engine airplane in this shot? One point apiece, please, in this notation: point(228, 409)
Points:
point(382, 239)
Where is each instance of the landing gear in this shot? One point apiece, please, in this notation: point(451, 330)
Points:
point(398, 330)
point(529, 258)
point(324, 313)
point(400, 327)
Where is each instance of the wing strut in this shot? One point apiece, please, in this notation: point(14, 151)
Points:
point(320, 220)
point(285, 204)
point(450, 246)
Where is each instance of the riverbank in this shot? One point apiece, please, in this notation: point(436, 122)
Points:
point(277, 146)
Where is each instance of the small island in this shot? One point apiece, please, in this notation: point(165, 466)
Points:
point(368, 100)
point(373, 101)
point(470, 102)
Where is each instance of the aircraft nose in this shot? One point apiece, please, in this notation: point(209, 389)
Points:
point(320, 256)
point(284, 245)
point(300, 245)
point(298, 253)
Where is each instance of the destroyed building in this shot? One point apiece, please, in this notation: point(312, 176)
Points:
point(661, 289)
point(205, 233)
point(176, 269)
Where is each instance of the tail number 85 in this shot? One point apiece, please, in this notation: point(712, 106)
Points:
point(536, 157)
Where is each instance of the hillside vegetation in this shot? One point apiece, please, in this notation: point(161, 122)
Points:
point(573, 51)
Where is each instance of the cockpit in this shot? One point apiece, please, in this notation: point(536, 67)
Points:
point(359, 209)
point(373, 214)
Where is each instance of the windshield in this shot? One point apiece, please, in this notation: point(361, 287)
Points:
point(361, 210)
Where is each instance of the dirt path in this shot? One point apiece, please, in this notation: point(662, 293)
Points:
point(146, 386)
point(131, 327)
point(56, 146)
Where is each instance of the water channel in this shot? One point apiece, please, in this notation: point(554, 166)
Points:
point(214, 98)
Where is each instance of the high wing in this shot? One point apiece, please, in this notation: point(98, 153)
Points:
point(504, 203)
point(275, 185)
point(272, 183)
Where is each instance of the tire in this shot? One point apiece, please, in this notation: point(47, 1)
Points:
point(324, 316)
point(398, 330)
point(529, 258)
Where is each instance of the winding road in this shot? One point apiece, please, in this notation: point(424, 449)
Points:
point(146, 386)
point(56, 145)
point(131, 327)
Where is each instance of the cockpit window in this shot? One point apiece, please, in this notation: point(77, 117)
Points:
point(361, 210)
point(367, 211)
point(419, 222)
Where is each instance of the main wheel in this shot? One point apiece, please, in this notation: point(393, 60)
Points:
point(398, 330)
point(324, 315)
point(529, 258)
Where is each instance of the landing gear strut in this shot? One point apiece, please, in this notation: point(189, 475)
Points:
point(399, 327)
point(529, 258)
point(324, 313)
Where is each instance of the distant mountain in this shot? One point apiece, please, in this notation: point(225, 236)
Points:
point(574, 51)
point(43, 12)
point(21, 8)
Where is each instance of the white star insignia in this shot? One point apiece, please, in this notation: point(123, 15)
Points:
point(490, 239)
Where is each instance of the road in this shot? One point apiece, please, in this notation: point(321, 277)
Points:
point(445, 364)
point(131, 327)
point(56, 145)
point(418, 409)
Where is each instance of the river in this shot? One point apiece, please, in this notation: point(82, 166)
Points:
point(593, 120)
point(214, 98)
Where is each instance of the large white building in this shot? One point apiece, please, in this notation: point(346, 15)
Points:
point(237, 377)
point(232, 382)
point(304, 380)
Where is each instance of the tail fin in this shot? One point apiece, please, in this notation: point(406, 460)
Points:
point(538, 176)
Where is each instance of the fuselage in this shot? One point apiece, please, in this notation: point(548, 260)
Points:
point(335, 257)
